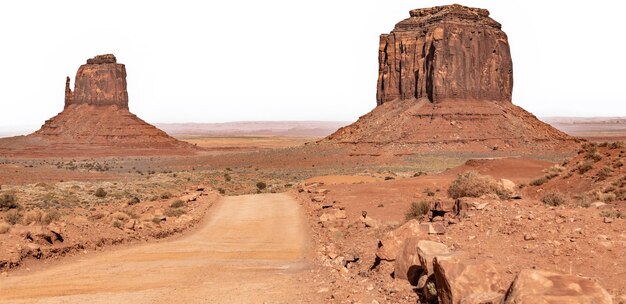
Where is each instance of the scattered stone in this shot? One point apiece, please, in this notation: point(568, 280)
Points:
point(539, 286)
point(529, 237)
point(318, 198)
point(341, 215)
point(608, 220)
point(391, 244)
point(433, 228)
point(327, 217)
point(457, 279)
point(598, 205)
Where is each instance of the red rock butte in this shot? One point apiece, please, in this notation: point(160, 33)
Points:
point(445, 80)
point(96, 120)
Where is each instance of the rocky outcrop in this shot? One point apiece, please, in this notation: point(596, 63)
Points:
point(96, 121)
point(447, 52)
point(444, 84)
point(100, 82)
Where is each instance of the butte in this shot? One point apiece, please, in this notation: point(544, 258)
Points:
point(445, 81)
point(96, 121)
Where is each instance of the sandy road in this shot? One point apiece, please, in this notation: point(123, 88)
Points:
point(251, 249)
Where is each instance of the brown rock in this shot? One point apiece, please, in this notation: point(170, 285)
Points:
point(458, 278)
point(433, 228)
point(447, 52)
point(391, 244)
point(96, 121)
point(407, 264)
point(100, 82)
point(427, 251)
point(444, 84)
point(544, 287)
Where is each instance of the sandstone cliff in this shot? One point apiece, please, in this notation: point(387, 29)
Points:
point(100, 82)
point(448, 52)
point(444, 84)
point(96, 120)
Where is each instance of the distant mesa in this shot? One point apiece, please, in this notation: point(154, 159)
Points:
point(445, 81)
point(96, 120)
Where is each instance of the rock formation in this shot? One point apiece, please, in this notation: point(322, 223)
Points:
point(100, 82)
point(96, 120)
point(445, 53)
point(445, 82)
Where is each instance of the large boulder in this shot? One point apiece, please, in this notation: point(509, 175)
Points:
point(391, 244)
point(427, 251)
point(460, 280)
point(407, 264)
point(545, 287)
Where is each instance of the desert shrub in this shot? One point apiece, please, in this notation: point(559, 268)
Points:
point(4, 228)
point(540, 181)
point(174, 212)
point(221, 190)
point(50, 216)
point(227, 177)
point(613, 213)
point(177, 204)
point(166, 195)
point(553, 198)
point(618, 164)
point(603, 144)
point(472, 184)
point(606, 197)
point(616, 145)
point(117, 224)
point(156, 220)
point(133, 201)
point(8, 201)
point(32, 216)
point(389, 178)
point(603, 173)
point(13, 217)
point(584, 167)
point(429, 192)
point(261, 185)
point(417, 210)
point(553, 171)
point(595, 156)
point(100, 193)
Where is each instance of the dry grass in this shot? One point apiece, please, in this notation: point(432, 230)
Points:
point(472, 184)
point(4, 228)
point(417, 210)
point(8, 201)
point(553, 198)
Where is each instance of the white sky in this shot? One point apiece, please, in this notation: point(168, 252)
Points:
point(218, 61)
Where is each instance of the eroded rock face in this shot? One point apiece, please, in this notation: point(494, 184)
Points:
point(447, 52)
point(100, 82)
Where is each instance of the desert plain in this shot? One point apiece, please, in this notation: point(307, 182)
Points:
point(446, 192)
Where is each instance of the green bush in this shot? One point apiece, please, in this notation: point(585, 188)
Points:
point(417, 210)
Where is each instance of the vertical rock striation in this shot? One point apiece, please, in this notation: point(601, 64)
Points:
point(447, 52)
point(100, 82)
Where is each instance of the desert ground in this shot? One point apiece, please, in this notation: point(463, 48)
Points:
point(191, 227)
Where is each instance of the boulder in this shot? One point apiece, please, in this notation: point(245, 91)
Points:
point(433, 228)
point(427, 251)
point(457, 278)
point(407, 264)
point(392, 242)
point(545, 287)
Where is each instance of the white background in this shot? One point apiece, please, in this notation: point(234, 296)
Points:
point(224, 61)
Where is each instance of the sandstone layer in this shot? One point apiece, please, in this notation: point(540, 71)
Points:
point(96, 120)
point(444, 84)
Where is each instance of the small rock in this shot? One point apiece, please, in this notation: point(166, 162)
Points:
point(598, 205)
point(529, 237)
point(318, 198)
point(340, 214)
point(608, 220)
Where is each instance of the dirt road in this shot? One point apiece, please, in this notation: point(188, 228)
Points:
point(252, 249)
